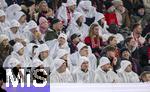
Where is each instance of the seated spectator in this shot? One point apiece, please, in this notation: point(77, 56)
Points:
point(61, 74)
point(83, 74)
point(4, 23)
point(130, 44)
point(57, 44)
point(5, 48)
point(144, 52)
point(104, 73)
point(65, 12)
point(75, 39)
point(83, 50)
point(86, 8)
point(126, 55)
point(94, 40)
point(78, 26)
point(14, 34)
point(140, 17)
point(136, 34)
point(145, 77)
point(1, 83)
point(126, 74)
point(110, 53)
point(56, 28)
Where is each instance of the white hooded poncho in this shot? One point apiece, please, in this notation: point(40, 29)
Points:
point(57, 77)
point(127, 77)
point(75, 58)
point(105, 77)
point(73, 28)
point(82, 77)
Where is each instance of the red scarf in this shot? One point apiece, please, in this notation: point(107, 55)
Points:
point(95, 42)
point(68, 16)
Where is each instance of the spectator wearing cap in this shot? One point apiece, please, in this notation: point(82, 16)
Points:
point(65, 11)
point(56, 28)
point(144, 52)
point(94, 40)
point(140, 17)
point(126, 55)
point(75, 39)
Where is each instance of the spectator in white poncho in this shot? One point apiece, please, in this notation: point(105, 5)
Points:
point(61, 74)
point(126, 74)
point(4, 24)
point(78, 26)
point(56, 44)
point(83, 50)
point(18, 53)
point(104, 73)
point(66, 11)
point(44, 56)
point(83, 74)
point(65, 55)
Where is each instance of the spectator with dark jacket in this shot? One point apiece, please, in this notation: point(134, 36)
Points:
point(145, 53)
